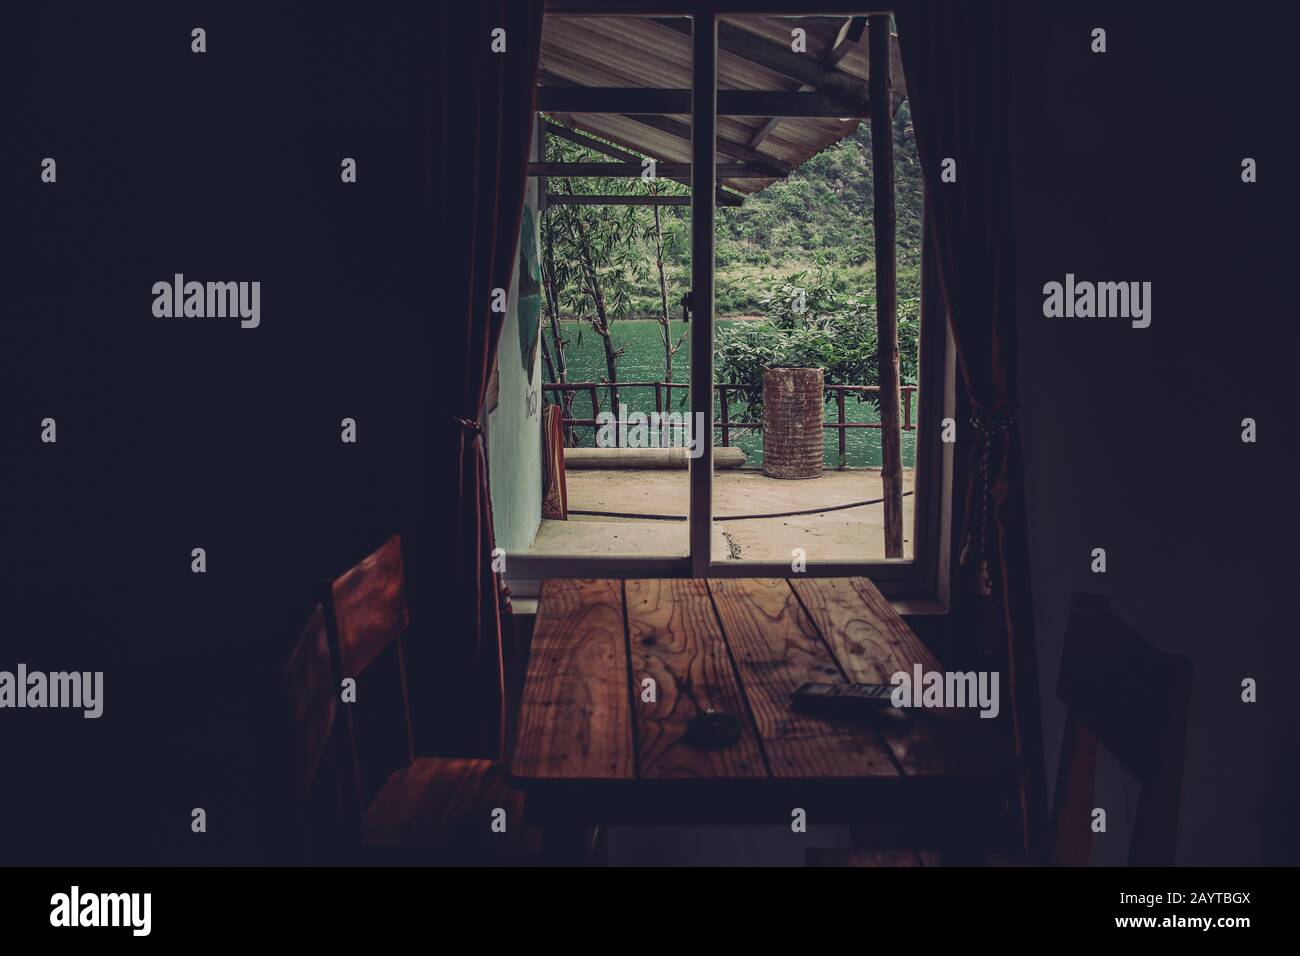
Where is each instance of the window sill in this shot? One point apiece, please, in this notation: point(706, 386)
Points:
point(906, 607)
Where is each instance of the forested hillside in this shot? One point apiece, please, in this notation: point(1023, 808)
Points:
point(822, 211)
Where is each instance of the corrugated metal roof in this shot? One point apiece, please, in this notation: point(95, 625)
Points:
point(651, 54)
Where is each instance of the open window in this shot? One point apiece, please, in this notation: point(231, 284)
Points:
point(658, 313)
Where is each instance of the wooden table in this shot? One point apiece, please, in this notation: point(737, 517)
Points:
point(590, 750)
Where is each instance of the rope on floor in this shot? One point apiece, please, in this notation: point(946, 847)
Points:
point(776, 514)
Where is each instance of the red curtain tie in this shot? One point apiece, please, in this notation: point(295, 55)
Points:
point(469, 424)
point(987, 430)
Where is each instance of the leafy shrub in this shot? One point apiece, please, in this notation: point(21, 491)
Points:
point(812, 320)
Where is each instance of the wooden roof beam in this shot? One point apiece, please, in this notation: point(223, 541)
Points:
point(682, 131)
point(780, 59)
point(633, 170)
point(565, 199)
point(776, 169)
point(632, 199)
point(685, 8)
point(647, 101)
point(850, 33)
point(582, 139)
point(590, 142)
point(848, 37)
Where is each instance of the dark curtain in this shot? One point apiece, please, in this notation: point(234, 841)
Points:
point(479, 139)
point(957, 57)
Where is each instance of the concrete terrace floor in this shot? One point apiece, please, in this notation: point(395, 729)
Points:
point(848, 534)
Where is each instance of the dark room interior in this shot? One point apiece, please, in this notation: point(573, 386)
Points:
point(304, 555)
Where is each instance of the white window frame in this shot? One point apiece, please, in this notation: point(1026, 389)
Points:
point(921, 580)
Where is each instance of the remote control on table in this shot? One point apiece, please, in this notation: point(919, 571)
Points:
point(842, 698)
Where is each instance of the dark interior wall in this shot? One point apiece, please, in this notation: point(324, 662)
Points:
point(173, 435)
point(1127, 167)
point(181, 433)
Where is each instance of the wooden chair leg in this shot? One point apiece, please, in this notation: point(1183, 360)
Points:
point(573, 845)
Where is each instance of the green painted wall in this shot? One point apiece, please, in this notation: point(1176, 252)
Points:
point(514, 426)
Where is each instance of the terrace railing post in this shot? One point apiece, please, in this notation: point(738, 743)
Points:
point(664, 406)
point(839, 404)
point(908, 392)
point(726, 428)
point(671, 389)
point(595, 414)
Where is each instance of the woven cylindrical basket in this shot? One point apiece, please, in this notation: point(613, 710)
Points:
point(792, 422)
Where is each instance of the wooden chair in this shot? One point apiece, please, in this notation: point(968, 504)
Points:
point(555, 493)
point(310, 692)
point(1125, 693)
point(393, 806)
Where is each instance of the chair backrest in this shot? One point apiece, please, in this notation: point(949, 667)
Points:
point(308, 676)
point(365, 615)
point(310, 692)
point(367, 607)
point(1126, 694)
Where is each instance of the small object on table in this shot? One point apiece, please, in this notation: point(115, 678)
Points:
point(713, 729)
point(849, 700)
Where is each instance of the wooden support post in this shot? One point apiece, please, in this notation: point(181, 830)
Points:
point(540, 153)
point(703, 134)
point(882, 165)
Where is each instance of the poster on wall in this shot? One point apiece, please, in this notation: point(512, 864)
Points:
point(528, 308)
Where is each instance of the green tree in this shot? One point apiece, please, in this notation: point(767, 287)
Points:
point(598, 258)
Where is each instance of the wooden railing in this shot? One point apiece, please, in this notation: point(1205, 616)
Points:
point(724, 425)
